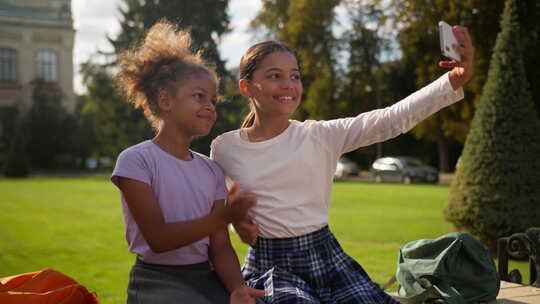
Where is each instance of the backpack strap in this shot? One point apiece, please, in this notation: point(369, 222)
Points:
point(430, 293)
point(449, 293)
point(389, 283)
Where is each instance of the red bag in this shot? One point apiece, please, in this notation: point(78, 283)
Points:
point(44, 287)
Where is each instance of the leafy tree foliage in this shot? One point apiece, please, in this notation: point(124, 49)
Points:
point(418, 38)
point(116, 124)
point(8, 117)
point(83, 138)
point(49, 127)
point(207, 20)
point(342, 70)
point(360, 87)
point(17, 164)
point(495, 192)
point(306, 26)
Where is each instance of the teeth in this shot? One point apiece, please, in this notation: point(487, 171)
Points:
point(285, 98)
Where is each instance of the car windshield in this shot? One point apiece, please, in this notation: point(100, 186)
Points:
point(412, 162)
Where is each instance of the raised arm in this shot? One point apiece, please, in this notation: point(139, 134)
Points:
point(347, 134)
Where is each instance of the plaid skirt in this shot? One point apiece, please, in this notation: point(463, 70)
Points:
point(312, 268)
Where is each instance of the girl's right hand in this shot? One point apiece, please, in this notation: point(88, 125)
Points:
point(246, 295)
point(237, 205)
point(462, 70)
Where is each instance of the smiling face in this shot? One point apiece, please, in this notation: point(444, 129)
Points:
point(275, 88)
point(192, 108)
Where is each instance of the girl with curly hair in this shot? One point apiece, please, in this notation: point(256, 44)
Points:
point(175, 203)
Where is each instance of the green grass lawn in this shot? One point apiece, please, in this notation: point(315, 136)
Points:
point(75, 225)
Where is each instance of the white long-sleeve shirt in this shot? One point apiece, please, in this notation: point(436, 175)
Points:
point(291, 174)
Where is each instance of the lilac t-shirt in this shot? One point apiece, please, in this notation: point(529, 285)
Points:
point(185, 190)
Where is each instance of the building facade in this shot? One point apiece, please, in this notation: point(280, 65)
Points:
point(36, 43)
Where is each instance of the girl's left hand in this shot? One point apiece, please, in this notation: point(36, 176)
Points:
point(247, 230)
point(238, 204)
point(462, 70)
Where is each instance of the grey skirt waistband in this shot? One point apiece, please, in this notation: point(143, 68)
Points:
point(203, 266)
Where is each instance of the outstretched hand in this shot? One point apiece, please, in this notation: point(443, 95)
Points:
point(462, 70)
point(237, 205)
point(246, 295)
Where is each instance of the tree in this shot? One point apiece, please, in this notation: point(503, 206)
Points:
point(207, 20)
point(360, 87)
point(495, 191)
point(306, 26)
point(49, 126)
point(418, 39)
point(8, 117)
point(342, 75)
point(17, 164)
point(117, 125)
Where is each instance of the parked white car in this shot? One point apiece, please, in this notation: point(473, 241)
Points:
point(345, 167)
point(406, 170)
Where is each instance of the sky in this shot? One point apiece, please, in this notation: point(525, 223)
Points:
point(94, 20)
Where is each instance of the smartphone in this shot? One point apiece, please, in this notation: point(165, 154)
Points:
point(447, 38)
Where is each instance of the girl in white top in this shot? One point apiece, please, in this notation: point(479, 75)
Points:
point(288, 165)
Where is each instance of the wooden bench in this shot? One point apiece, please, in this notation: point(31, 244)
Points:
point(512, 293)
point(526, 244)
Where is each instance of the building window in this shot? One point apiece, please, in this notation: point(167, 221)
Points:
point(47, 66)
point(8, 65)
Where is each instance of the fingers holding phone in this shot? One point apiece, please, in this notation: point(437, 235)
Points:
point(461, 45)
point(464, 47)
point(448, 40)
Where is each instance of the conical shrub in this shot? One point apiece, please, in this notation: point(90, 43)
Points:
point(496, 189)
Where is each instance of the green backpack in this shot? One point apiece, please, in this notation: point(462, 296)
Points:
point(454, 268)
